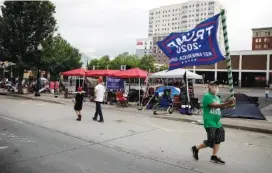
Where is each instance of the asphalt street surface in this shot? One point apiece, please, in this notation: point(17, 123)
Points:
point(45, 138)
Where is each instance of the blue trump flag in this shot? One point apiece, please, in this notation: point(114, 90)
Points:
point(196, 47)
point(115, 83)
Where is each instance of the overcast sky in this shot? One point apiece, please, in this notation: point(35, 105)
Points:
point(100, 27)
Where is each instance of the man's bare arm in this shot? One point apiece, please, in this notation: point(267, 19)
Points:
point(219, 105)
point(222, 105)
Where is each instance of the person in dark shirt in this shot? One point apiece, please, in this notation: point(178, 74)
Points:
point(78, 103)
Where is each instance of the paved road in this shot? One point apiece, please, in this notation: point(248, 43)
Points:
point(43, 137)
point(26, 148)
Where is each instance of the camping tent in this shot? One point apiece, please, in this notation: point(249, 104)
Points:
point(178, 73)
point(75, 72)
point(98, 73)
point(245, 108)
point(131, 73)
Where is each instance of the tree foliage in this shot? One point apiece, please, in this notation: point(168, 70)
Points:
point(161, 68)
point(60, 56)
point(146, 63)
point(24, 25)
point(125, 59)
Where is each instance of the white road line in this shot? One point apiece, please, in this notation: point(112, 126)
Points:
point(4, 147)
point(11, 119)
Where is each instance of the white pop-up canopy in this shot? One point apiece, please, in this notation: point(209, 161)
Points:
point(177, 73)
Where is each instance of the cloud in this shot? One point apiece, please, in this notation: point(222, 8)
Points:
point(99, 27)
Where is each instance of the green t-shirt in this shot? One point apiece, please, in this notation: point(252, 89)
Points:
point(211, 116)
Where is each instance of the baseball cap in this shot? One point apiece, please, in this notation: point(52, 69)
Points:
point(214, 83)
point(79, 89)
point(100, 80)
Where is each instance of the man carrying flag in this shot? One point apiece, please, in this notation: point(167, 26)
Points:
point(212, 124)
point(200, 47)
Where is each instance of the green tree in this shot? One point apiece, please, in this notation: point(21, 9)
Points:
point(24, 25)
point(147, 63)
point(104, 62)
point(125, 59)
point(101, 63)
point(60, 56)
point(161, 68)
point(93, 63)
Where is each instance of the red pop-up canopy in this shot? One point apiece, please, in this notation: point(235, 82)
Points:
point(131, 73)
point(75, 72)
point(93, 73)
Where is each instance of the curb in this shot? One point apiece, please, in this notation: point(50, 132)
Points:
point(238, 127)
point(28, 98)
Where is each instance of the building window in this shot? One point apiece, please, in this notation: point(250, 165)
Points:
point(268, 33)
point(256, 34)
point(265, 46)
point(256, 40)
point(260, 40)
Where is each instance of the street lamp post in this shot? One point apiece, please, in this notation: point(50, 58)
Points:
point(37, 93)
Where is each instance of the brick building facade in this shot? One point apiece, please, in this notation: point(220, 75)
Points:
point(262, 39)
point(250, 68)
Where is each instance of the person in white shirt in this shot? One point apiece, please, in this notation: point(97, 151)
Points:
point(99, 92)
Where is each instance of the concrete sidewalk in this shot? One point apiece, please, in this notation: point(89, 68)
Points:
point(44, 97)
point(236, 123)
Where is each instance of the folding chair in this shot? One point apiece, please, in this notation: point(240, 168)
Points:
point(196, 106)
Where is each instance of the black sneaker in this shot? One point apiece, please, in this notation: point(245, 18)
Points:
point(195, 152)
point(101, 121)
point(78, 118)
point(94, 119)
point(215, 159)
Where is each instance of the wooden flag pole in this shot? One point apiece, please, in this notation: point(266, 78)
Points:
point(227, 50)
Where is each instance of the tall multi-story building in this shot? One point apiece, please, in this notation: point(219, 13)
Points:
point(262, 38)
point(144, 47)
point(180, 18)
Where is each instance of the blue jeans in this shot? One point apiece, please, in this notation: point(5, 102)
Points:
point(266, 96)
point(98, 111)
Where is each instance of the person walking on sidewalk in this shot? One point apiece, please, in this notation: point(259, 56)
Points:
point(266, 94)
point(79, 103)
point(212, 125)
point(99, 92)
